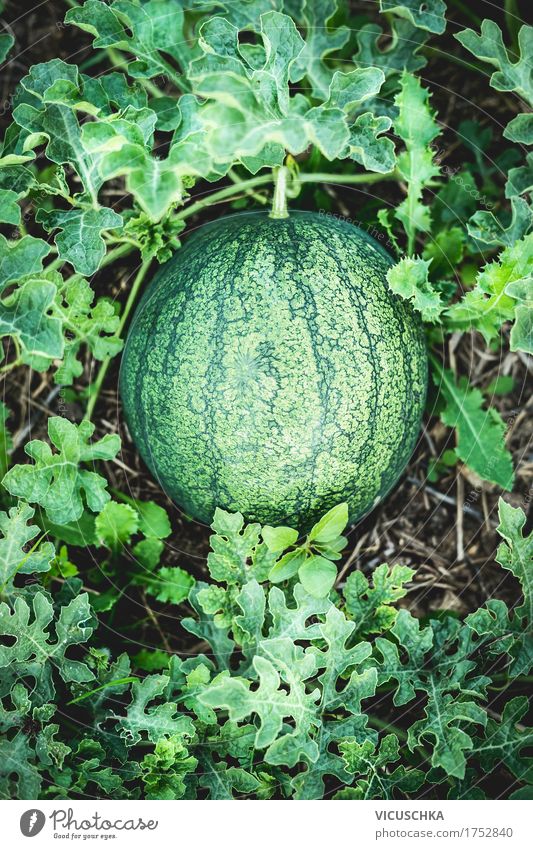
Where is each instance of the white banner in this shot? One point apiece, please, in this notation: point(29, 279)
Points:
point(262, 825)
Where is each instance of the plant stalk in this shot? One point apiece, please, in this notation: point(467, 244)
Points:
point(265, 179)
point(131, 679)
point(235, 178)
point(132, 297)
point(462, 7)
point(513, 23)
point(279, 199)
point(382, 725)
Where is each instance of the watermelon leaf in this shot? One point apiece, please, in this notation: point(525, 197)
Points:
point(480, 432)
point(317, 575)
point(485, 228)
point(56, 481)
point(367, 145)
point(20, 258)
point(330, 526)
point(520, 180)
point(79, 240)
point(516, 552)
point(522, 330)
point(505, 740)
point(51, 319)
point(146, 721)
point(147, 32)
point(409, 279)
point(429, 15)
point(362, 759)
point(84, 323)
point(401, 50)
point(164, 770)
point(322, 37)
point(296, 675)
point(6, 43)
point(14, 558)
point(371, 607)
point(509, 76)
point(28, 624)
point(170, 584)
point(250, 94)
point(416, 125)
point(501, 294)
point(238, 554)
point(15, 183)
point(28, 316)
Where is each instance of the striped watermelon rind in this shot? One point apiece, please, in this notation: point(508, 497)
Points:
point(270, 370)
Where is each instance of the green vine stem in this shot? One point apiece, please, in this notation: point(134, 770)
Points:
point(265, 179)
point(250, 192)
point(279, 199)
point(513, 23)
point(463, 7)
point(17, 361)
point(123, 249)
point(26, 557)
point(383, 725)
point(113, 683)
point(132, 297)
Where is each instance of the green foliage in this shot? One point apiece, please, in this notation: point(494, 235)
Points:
point(510, 76)
point(428, 16)
point(55, 481)
point(170, 584)
point(145, 32)
point(291, 708)
point(79, 240)
point(371, 606)
point(237, 553)
point(51, 320)
point(510, 631)
point(26, 253)
point(417, 127)
point(116, 524)
point(312, 560)
point(6, 443)
point(480, 432)
point(440, 466)
point(16, 534)
point(376, 779)
point(6, 43)
point(219, 101)
point(492, 302)
point(295, 678)
point(401, 53)
point(516, 555)
point(409, 279)
point(163, 770)
point(28, 623)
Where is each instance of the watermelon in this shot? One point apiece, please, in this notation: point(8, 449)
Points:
point(270, 370)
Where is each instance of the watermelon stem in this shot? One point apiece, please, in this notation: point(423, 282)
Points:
point(279, 198)
point(264, 179)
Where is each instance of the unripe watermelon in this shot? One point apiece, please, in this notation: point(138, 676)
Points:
point(270, 370)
